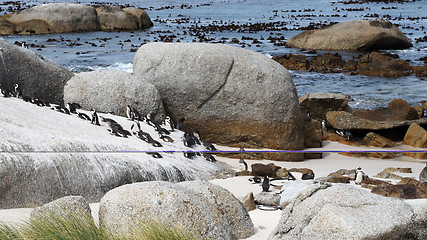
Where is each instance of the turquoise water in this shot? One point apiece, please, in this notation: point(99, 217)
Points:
point(183, 20)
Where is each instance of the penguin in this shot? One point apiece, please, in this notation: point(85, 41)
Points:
point(360, 175)
point(190, 154)
point(308, 176)
point(161, 130)
point(243, 165)
point(169, 124)
point(95, 119)
point(143, 136)
point(40, 102)
point(291, 177)
point(209, 157)
point(255, 180)
point(17, 91)
point(73, 107)
point(5, 92)
point(83, 116)
point(266, 184)
point(165, 138)
point(149, 120)
point(207, 145)
point(62, 109)
point(155, 154)
point(180, 124)
point(136, 125)
point(26, 99)
point(132, 113)
point(155, 143)
point(108, 121)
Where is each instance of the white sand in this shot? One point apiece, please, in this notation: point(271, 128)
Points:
point(265, 221)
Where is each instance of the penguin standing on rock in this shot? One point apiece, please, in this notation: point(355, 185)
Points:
point(360, 175)
point(169, 124)
point(95, 119)
point(266, 184)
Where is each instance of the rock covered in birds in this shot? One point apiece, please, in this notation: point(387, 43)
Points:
point(226, 93)
point(36, 76)
point(112, 92)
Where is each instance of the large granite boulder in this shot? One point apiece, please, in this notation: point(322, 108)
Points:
point(37, 77)
point(113, 18)
point(47, 155)
point(416, 136)
point(346, 212)
point(213, 214)
point(61, 17)
point(141, 15)
point(356, 35)
point(423, 175)
point(232, 96)
point(65, 206)
point(112, 91)
point(318, 104)
point(396, 110)
point(6, 27)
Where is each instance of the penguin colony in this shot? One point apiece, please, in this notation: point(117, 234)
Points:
point(164, 129)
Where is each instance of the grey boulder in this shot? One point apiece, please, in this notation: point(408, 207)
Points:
point(231, 95)
point(65, 206)
point(201, 212)
point(112, 91)
point(318, 104)
point(61, 17)
point(347, 212)
point(37, 77)
point(113, 18)
point(355, 35)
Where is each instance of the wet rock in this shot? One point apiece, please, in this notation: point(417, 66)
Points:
point(416, 136)
point(249, 202)
point(376, 140)
point(64, 206)
point(113, 18)
point(401, 170)
point(357, 35)
point(37, 77)
point(327, 63)
point(376, 64)
point(112, 92)
point(221, 90)
point(420, 71)
point(293, 62)
point(203, 212)
point(318, 104)
point(61, 17)
point(406, 191)
point(333, 213)
point(282, 173)
point(420, 111)
point(141, 15)
point(396, 110)
point(385, 174)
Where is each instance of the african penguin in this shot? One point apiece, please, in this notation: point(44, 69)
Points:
point(358, 178)
point(95, 119)
point(180, 124)
point(266, 184)
point(168, 124)
point(17, 90)
point(243, 165)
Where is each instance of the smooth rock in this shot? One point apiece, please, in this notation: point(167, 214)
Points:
point(114, 18)
point(69, 205)
point(267, 198)
point(356, 35)
point(416, 136)
point(232, 96)
point(37, 76)
point(61, 17)
point(124, 208)
point(112, 91)
point(293, 62)
point(259, 169)
point(376, 140)
point(335, 213)
point(141, 15)
point(249, 202)
point(293, 189)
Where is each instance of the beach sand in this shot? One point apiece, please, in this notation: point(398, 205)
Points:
point(266, 221)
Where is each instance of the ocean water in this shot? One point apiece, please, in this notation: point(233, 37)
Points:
point(261, 26)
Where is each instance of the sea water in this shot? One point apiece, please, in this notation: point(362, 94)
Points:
point(182, 21)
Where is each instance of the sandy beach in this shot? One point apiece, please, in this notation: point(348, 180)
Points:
point(265, 221)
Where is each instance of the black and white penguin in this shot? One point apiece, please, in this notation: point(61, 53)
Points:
point(169, 124)
point(190, 154)
point(360, 175)
point(266, 184)
point(95, 119)
point(149, 120)
point(5, 92)
point(61, 109)
point(165, 138)
point(132, 114)
point(189, 140)
point(73, 107)
point(40, 102)
point(83, 116)
point(291, 177)
point(207, 145)
point(209, 157)
point(243, 165)
point(180, 124)
point(255, 180)
point(17, 92)
point(154, 154)
point(161, 130)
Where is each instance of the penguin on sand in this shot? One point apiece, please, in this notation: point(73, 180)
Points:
point(243, 165)
point(266, 184)
point(360, 175)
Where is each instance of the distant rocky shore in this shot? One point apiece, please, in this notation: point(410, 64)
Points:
point(68, 17)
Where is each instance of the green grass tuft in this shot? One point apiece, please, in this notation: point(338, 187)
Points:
point(82, 227)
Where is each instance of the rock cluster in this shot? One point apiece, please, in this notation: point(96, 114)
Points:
point(370, 64)
point(69, 17)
